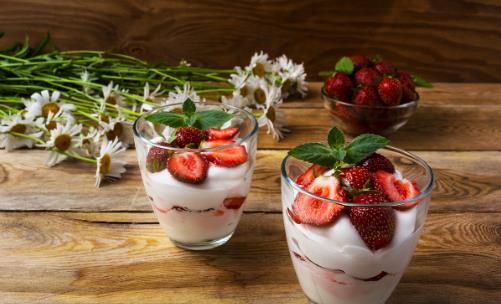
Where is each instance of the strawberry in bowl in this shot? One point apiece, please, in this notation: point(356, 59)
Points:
point(353, 213)
point(196, 163)
point(370, 95)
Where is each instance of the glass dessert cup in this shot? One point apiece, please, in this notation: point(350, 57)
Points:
point(204, 215)
point(357, 119)
point(332, 262)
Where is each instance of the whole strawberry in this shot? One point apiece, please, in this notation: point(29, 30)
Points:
point(339, 87)
point(366, 96)
point(384, 68)
point(375, 225)
point(390, 91)
point(359, 61)
point(188, 137)
point(367, 77)
point(408, 87)
point(356, 177)
point(156, 159)
point(376, 162)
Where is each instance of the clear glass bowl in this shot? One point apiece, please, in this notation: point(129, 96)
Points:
point(198, 216)
point(332, 263)
point(358, 119)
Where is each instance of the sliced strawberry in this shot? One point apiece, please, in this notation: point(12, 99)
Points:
point(156, 159)
point(375, 225)
point(357, 177)
point(396, 190)
point(310, 210)
point(188, 167)
point(222, 133)
point(228, 157)
point(293, 216)
point(309, 175)
point(215, 143)
point(233, 202)
point(408, 190)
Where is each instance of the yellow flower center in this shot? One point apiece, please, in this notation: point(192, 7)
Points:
point(271, 114)
point(63, 142)
point(117, 131)
point(259, 95)
point(286, 86)
point(50, 107)
point(104, 118)
point(244, 91)
point(19, 128)
point(111, 100)
point(105, 164)
point(51, 125)
point(258, 70)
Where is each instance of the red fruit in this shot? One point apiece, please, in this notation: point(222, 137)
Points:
point(366, 96)
point(228, 157)
point(188, 136)
point(339, 87)
point(233, 202)
point(293, 216)
point(359, 61)
point(384, 68)
point(215, 143)
point(396, 190)
point(367, 77)
point(408, 87)
point(309, 175)
point(188, 167)
point(156, 160)
point(375, 225)
point(390, 91)
point(376, 162)
point(310, 210)
point(356, 177)
point(227, 133)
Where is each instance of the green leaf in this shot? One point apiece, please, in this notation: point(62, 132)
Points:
point(192, 120)
point(421, 82)
point(172, 136)
point(339, 154)
point(363, 146)
point(345, 65)
point(171, 119)
point(211, 119)
point(335, 138)
point(189, 107)
point(315, 153)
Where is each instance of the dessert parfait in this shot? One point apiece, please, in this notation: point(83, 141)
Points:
point(196, 163)
point(353, 214)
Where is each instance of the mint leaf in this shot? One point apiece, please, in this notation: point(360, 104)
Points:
point(345, 65)
point(339, 154)
point(171, 119)
point(210, 119)
point(172, 136)
point(315, 153)
point(335, 138)
point(421, 82)
point(363, 146)
point(189, 107)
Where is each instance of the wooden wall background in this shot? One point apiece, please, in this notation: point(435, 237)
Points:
point(453, 41)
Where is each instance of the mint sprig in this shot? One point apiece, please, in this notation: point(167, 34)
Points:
point(337, 153)
point(190, 117)
point(345, 65)
point(421, 82)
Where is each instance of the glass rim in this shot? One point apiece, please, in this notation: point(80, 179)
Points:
point(424, 193)
point(139, 134)
point(409, 104)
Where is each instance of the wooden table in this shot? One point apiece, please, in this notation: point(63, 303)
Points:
point(63, 241)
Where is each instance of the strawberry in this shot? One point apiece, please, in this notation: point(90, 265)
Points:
point(228, 157)
point(356, 177)
point(376, 162)
point(227, 133)
point(339, 87)
point(215, 143)
point(310, 174)
point(384, 68)
point(188, 167)
point(359, 61)
point(390, 91)
point(366, 96)
point(367, 77)
point(310, 210)
point(293, 216)
point(375, 225)
point(408, 87)
point(156, 159)
point(234, 202)
point(188, 136)
point(396, 190)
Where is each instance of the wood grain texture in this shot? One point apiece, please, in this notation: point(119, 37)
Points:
point(466, 181)
point(126, 258)
point(441, 40)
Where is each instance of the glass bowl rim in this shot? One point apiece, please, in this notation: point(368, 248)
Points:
point(424, 193)
point(410, 104)
point(139, 134)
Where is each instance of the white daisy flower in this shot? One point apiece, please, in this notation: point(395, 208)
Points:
point(239, 79)
point(50, 123)
point(63, 139)
point(110, 164)
point(184, 63)
point(118, 128)
point(181, 96)
point(271, 116)
point(292, 77)
point(260, 65)
point(256, 90)
point(110, 96)
point(236, 100)
point(84, 76)
point(149, 97)
point(41, 104)
point(16, 123)
point(88, 141)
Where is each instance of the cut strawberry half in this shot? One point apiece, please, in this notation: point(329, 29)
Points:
point(309, 175)
point(234, 202)
point(228, 157)
point(215, 143)
point(222, 133)
point(310, 210)
point(188, 167)
point(396, 190)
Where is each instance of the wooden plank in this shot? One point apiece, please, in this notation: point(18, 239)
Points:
point(81, 258)
point(443, 41)
point(466, 181)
